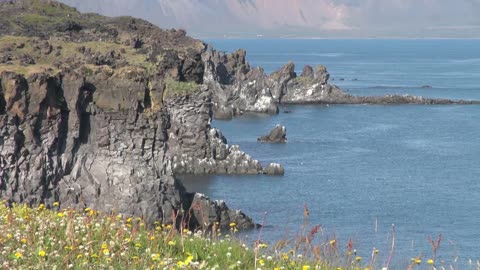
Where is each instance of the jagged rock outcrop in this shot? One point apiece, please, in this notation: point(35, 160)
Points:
point(277, 135)
point(239, 88)
point(235, 86)
point(207, 212)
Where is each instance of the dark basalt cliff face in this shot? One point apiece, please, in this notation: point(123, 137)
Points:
point(103, 113)
point(58, 144)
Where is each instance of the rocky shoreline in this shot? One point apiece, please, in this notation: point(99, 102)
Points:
point(238, 88)
point(103, 112)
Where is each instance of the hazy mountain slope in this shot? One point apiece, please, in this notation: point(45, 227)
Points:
point(225, 16)
point(408, 18)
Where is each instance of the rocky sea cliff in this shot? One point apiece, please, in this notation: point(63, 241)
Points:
point(103, 113)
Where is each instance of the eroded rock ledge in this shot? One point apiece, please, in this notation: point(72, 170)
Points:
point(196, 147)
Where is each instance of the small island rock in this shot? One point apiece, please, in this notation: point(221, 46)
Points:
point(277, 135)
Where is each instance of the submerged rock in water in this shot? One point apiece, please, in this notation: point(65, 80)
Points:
point(274, 169)
point(277, 135)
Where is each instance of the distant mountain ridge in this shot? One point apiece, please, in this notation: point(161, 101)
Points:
point(301, 18)
point(228, 16)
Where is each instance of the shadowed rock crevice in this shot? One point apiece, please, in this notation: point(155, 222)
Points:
point(147, 100)
point(84, 99)
point(3, 103)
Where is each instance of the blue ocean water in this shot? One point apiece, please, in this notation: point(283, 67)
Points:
point(362, 168)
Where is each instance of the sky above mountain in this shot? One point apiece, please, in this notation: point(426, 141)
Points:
point(302, 18)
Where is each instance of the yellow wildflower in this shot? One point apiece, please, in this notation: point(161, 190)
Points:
point(9, 235)
point(79, 256)
point(171, 243)
point(104, 246)
point(24, 241)
point(60, 214)
point(180, 264)
point(358, 258)
point(263, 245)
point(430, 261)
point(189, 260)
point(418, 261)
point(306, 267)
point(261, 262)
point(232, 224)
point(129, 220)
point(155, 257)
point(376, 251)
point(55, 204)
point(332, 242)
point(18, 255)
point(87, 209)
point(42, 253)
point(106, 252)
point(152, 238)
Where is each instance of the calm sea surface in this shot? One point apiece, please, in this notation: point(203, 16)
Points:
point(362, 168)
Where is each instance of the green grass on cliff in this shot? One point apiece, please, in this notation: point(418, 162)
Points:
point(68, 51)
point(41, 16)
point(306, 81)
point(174, 88)
point(41, 238)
